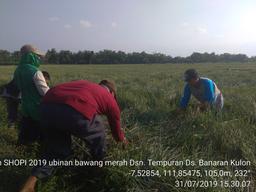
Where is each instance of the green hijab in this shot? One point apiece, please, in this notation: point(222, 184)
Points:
point(30, 58)
point(23, 76)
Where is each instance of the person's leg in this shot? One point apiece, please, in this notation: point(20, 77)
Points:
point(29, 131)
point(56, 137)
point(12, 111)
point(56, 146)
point(58, 122)
point(22, 134)
point(93, 133)
point(219, 103)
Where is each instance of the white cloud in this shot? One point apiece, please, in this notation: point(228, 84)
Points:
point(67, 26)
point(113, 24)
point(53, 19)
point(201, 30)
point(184, 24)
point(220, 36)
point(85, 23)
point(188, 28)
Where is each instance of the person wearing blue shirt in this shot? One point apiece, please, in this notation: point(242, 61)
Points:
point(203, 89)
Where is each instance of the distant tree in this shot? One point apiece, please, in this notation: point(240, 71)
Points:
point(5, 57)
point(240, 58)
point(65, 57)
point(179, 60)
point(52, 56)
point(107, 57)
point(121, 57)
point(116, 57)
point(15, 56)
point(252, 59)
point(83, 57)
point(227, 57)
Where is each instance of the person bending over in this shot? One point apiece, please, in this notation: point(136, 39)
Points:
point(74, 108)
point(203, 89)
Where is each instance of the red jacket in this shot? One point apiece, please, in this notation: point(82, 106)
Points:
point(89, 99)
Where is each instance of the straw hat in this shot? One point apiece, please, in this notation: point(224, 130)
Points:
point(30, 48)
point(110, 85)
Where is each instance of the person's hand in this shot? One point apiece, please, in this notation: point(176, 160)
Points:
point(105, 123)
point(125, 142)
point(180, 110)
point(203, 106)
point(29, 186)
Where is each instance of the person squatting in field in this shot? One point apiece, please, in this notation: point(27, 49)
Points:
point(12, 95)
point(203, 89)
point(74, 108)
point(33, 86)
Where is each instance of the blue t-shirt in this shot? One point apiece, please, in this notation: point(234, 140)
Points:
point(205, 92)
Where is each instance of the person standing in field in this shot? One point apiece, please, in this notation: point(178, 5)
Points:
point(203, 89)
point(74, 108)
point(33, 86)
point(11, 94)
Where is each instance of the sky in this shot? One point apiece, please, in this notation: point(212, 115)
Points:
point(173, 27)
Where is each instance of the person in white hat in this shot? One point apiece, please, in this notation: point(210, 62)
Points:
point(32, 84)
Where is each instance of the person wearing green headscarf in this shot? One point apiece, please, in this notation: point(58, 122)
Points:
point(33, 87)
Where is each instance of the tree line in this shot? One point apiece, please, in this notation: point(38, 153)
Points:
point(120, 57)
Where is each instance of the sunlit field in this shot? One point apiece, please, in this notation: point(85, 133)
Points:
point(148, 96)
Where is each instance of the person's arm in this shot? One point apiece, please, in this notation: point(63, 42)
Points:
point(40, 83)
point(114, 119)
point(6, 89)
point(186, 97)
point(13, 90)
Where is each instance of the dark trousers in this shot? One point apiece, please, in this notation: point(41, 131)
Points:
point(29, 131)
point(12, 109)
point(58, 123)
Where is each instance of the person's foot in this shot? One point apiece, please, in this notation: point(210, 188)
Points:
point(29, 186)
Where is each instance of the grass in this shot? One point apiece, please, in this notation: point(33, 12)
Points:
point(148, 96)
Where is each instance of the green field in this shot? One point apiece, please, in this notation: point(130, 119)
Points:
point(148, 96)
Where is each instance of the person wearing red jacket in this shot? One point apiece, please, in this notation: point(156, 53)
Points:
point(74, 108)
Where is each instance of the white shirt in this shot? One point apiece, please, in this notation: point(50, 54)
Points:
point(40, 83)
